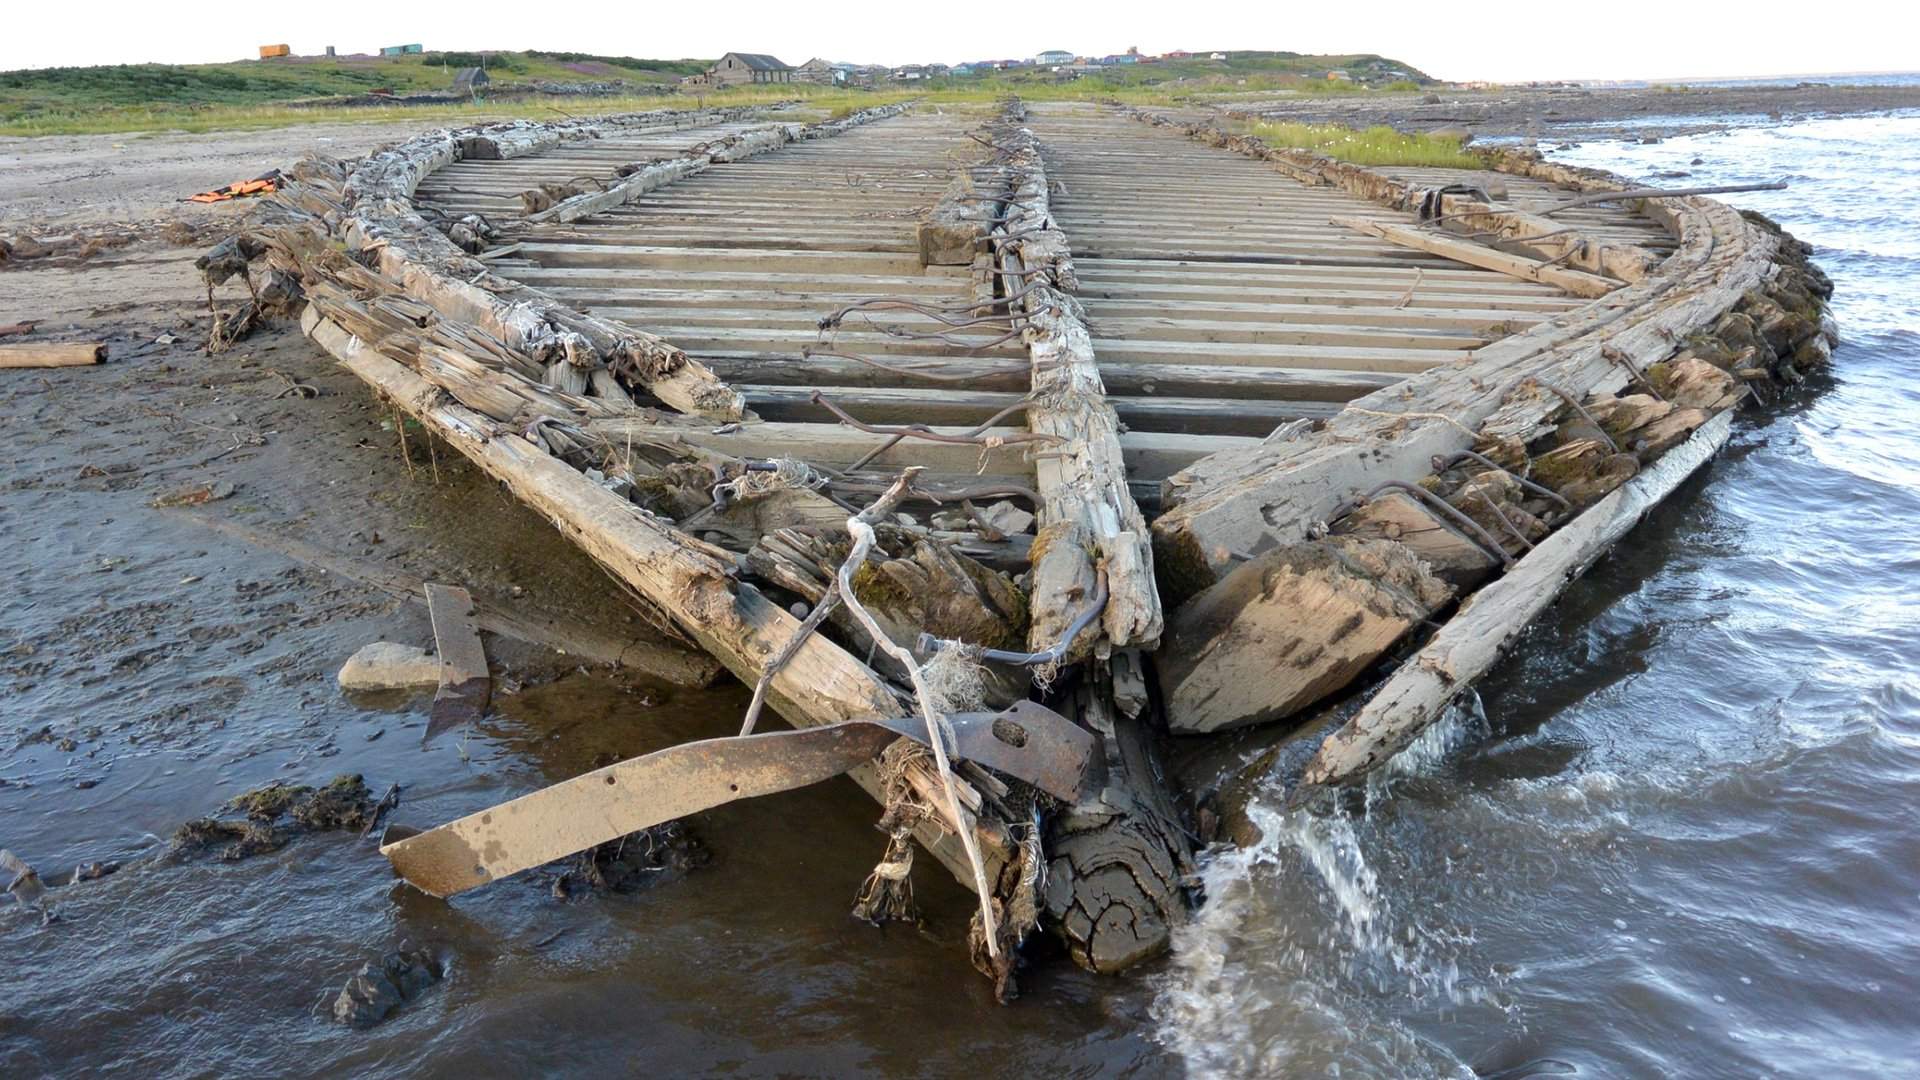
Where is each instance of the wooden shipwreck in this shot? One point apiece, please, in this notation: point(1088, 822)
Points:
point(1067, 433)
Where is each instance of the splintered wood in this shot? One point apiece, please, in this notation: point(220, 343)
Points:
point(1290, 627)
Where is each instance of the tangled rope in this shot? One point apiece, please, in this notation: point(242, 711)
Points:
point(759, 480)
point(887, 894)
point(939, 732)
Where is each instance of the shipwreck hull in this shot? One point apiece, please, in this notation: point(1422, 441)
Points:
point(1196, 434)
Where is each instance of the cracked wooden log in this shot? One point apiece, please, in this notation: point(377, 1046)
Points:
point(1086, 513)
point(1116, 862)
point(1469, 643)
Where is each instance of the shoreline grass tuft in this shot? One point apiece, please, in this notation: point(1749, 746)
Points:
point(1371, 146)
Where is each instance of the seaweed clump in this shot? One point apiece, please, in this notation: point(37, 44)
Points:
point(276, 813)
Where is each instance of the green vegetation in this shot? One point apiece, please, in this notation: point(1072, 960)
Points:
point(255, 93)
point(1374, 146)
point(274, 93)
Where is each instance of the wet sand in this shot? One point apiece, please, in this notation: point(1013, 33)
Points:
point(144, 176)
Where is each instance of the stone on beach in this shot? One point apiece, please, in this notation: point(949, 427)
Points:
point(389, 665)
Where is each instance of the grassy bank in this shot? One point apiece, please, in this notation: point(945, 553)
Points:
point(256, 94)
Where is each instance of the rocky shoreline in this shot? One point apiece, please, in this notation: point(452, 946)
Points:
point(1578, 113)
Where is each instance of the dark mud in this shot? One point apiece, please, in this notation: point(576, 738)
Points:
point(156, 662)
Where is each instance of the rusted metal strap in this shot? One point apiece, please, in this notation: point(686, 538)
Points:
point(465, 685)
point(1028, 742)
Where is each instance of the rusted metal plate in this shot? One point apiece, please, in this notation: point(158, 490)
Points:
point(1028, 741)
point(631, 795)
point(465, 685)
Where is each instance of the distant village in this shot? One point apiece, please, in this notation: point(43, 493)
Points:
point(741, 69)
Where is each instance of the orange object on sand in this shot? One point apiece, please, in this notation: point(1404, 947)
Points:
point(259, 185)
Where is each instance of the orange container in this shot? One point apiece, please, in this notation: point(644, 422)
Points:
point(268, 52)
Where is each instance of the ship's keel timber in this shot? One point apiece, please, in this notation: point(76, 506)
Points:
point(1144, 423)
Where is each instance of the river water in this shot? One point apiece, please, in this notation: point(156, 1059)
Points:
point(1681, 834)
point(1677, 837)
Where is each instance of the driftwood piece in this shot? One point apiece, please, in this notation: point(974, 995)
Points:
point(1469, 643)
point(1290, 627)
point(77, 354)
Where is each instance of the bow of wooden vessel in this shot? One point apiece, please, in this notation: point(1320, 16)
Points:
point(1201, 434)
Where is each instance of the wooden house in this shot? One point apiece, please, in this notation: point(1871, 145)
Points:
point(817, 70)
point(740, 69)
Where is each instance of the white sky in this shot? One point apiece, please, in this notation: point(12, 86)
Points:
point(1503, 42)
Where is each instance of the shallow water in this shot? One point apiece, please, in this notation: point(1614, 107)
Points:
point(1678, 838)
point(1681, 835)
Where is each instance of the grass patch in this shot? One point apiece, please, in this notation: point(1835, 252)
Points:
point(258, 93)
point(1373, 146)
